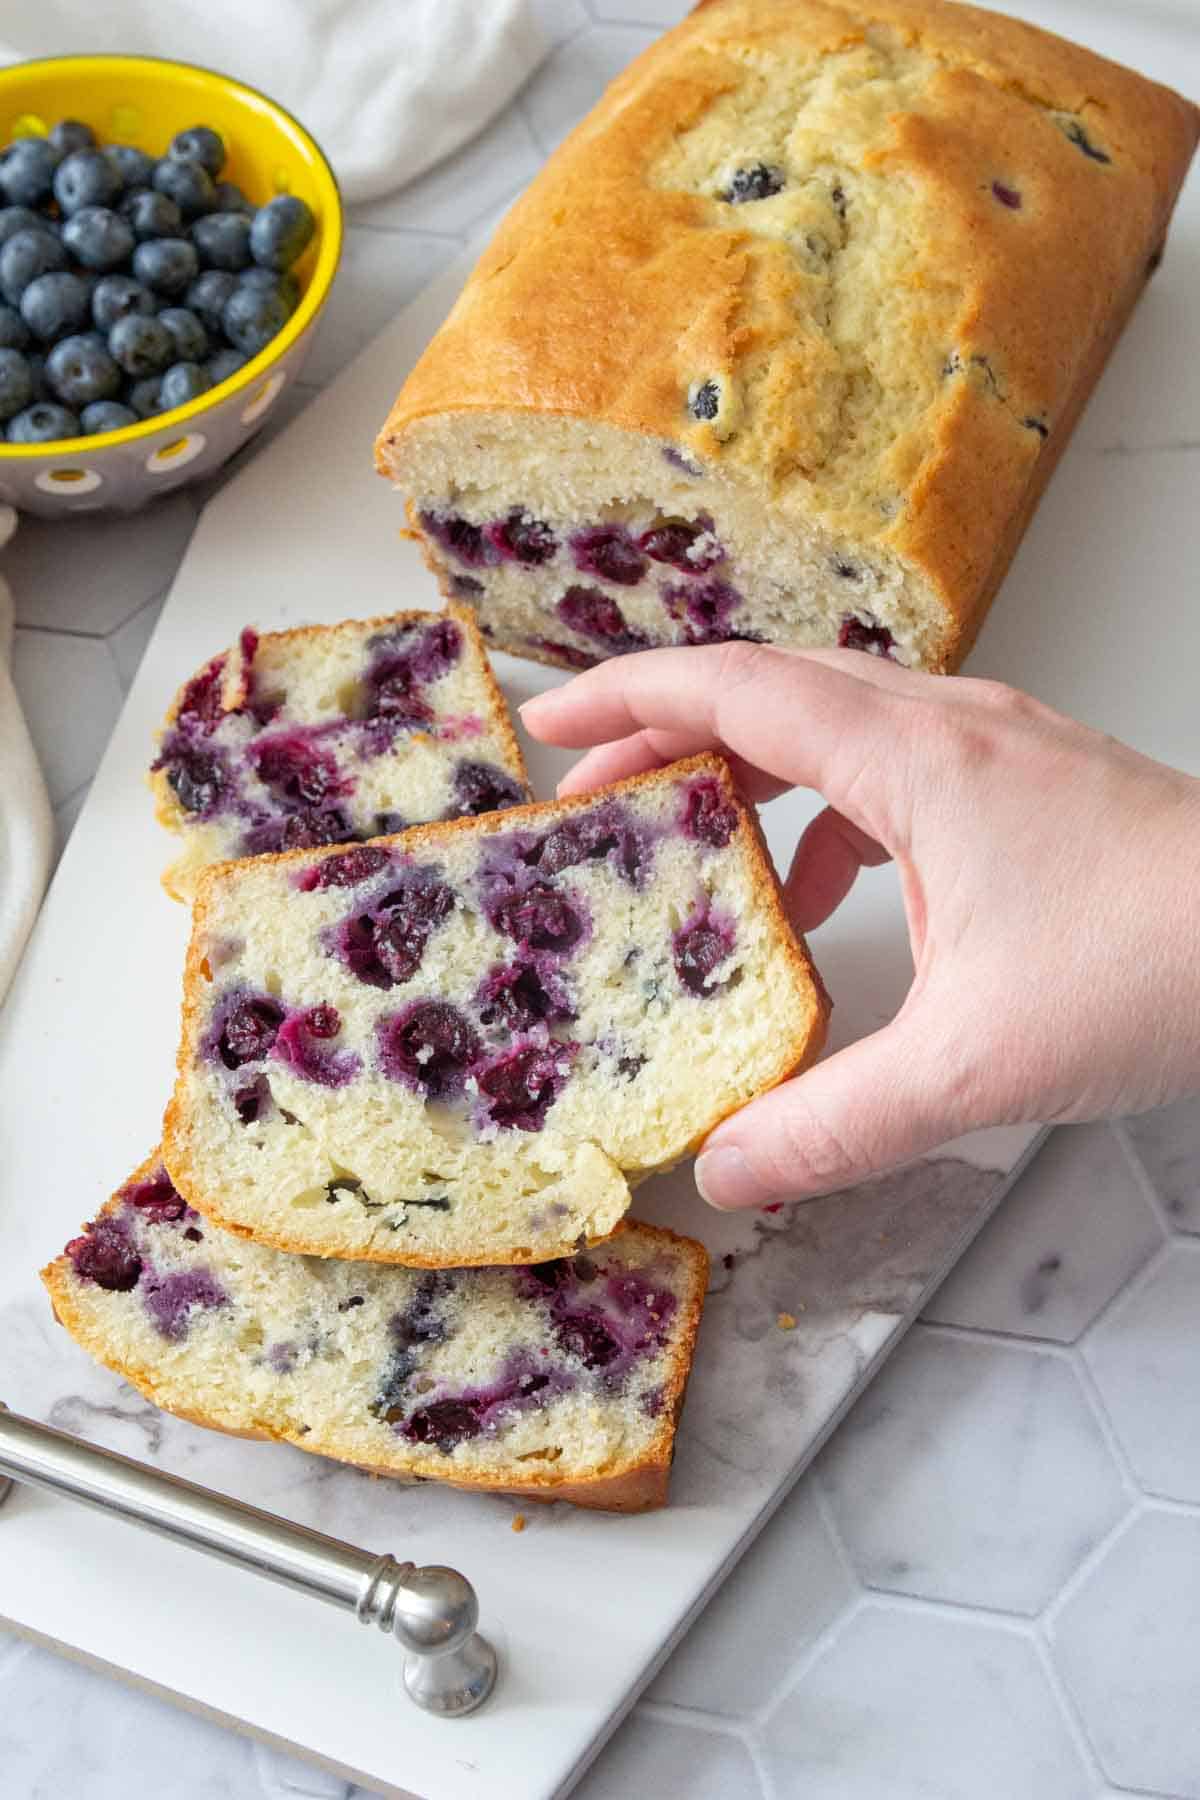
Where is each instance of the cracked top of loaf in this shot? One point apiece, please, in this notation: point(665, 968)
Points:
point(868, 260)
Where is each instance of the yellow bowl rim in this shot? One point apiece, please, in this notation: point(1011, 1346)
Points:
point(329, 250)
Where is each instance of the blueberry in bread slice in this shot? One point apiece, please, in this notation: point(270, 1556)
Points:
point(463, 1044)
point(563, 1381)
point(786, 338)
point(333, 733)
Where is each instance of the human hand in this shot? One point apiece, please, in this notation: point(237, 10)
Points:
point(1051, 883)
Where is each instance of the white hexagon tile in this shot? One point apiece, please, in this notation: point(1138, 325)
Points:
point(989, 1586)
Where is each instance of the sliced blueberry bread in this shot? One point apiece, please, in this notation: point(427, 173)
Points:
point(559, 1382)
point(786, 338)
point(333, 733)
point(462, 1044)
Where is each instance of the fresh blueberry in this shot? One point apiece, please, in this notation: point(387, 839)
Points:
point(85, 178)
point(252, 317)
point(72, 134)
point(133, 166)
point(188, 184)
point(223, 240)
point(151, 215)
point(55, 305)
point(168, 265)
point(20, 218)
point(281, 231)
point(25, 256)
point(224, 364)
point(207, 297)
point(143, 397)
point(27, 171)
point(199, 144)
point(80, 370)
point(115, 297)
point(230, 199)
point(37, 370)
point(182, 382)
point(106, 415)
point(143, 346)
point(98, 238)
point(14, 333)
point(187, 333)
point(42, 423)
point(271, 281)
point(16, 383)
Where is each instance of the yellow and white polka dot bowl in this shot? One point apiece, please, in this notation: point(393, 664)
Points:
point(144, 101)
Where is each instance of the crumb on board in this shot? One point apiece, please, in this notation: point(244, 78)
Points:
point(518, 1523)
point(786, 1321)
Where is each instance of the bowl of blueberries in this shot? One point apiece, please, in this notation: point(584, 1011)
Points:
point(168, 237)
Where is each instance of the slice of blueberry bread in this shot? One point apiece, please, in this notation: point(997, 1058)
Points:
point(331, 734)
point(563, 1381)
point(462, 1044)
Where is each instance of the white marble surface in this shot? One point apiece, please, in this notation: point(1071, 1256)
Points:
point(989, 1585)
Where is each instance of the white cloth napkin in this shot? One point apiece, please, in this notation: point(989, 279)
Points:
point(387, 87)
point(26, 825)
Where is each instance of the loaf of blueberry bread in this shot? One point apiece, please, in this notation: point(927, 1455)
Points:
point(461, 1045)
point(559, 1382)
point(786, 338)
point(333, 733)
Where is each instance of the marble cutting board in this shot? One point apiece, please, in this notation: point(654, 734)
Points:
point(583, 1607)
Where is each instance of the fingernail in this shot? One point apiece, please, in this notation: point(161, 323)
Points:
point(726, 1180)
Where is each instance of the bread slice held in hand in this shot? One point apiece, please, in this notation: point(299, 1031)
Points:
point(563, 1381)
point(461, 1045)
point(332, 733)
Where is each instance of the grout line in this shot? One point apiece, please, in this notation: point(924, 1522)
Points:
point(828, 1517)
point(1094, 1399)
point(92, 637)
point(1004, 1615)
point(418, 231)
point(998, 1339)
point(1052, 1611)
point(762, 1768)
point(1022, 1625)
point(1133, 1156)
point(665, 1712)
point(1140, 1279)
point(1072, 1717)
point(820, 1646)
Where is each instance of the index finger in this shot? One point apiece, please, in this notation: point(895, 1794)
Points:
point(808, 720)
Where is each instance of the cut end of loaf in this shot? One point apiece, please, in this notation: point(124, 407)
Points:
point(563, 1381)
point(574, 541)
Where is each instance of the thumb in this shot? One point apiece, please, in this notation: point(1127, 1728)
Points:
point(877, 1103)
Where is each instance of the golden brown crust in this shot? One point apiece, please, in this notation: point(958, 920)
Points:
point(603, 296)
point(795, 1053)
point(634, 1485)
point(169, 813)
